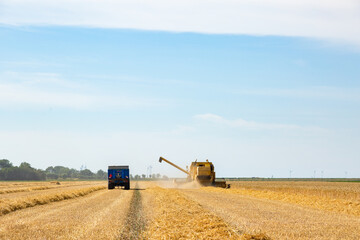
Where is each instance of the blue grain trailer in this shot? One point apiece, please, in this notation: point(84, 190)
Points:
point(118, 176)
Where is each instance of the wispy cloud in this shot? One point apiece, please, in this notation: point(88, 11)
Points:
point(336, 93)
point(28, 63)
point(17, 95)
point(253, 125)
point(50, 90)
point(181, 129)
point(139, 80)
point(42, 79)
point(325, 19)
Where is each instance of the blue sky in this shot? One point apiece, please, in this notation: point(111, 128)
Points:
point(255, 105)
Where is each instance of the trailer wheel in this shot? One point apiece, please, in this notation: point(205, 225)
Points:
point(110, 186)
point(127, 186)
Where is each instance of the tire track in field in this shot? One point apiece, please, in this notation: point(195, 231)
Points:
point(174, 216)
point(135, 220)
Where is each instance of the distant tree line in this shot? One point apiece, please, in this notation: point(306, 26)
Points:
point(25, 172)
point(149, 177)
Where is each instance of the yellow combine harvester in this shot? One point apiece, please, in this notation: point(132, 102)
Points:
point(202, 172)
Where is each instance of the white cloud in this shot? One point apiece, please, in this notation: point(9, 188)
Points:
point(252, 125)
point(325, 19)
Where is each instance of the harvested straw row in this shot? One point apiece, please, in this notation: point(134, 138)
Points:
point(29, 186)
point(17, 204)
point(317, 202)
point(4, 191)
point(177, 217)
point(323, 189)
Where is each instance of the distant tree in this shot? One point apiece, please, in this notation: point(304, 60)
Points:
point(137, 177)
point(52, 176)
point(4, 163)
point(10, 173)
point(158, 175)
point(143, 176)
point(23, 172)
point(131, 176)
point(49, 170)
point(73, 173)
point(101, 174)
point(41, 174)
point(64, 176)
point(60, 170)
point(165, 177)
point(86, 174)
point(25, 165)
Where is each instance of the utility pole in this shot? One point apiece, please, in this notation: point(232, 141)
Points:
point(149, 171)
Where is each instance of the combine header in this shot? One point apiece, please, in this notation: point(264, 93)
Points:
point(202, 172)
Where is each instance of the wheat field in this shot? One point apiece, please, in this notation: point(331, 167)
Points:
point(160, 210)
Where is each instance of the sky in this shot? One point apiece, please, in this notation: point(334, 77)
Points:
point(260, 88)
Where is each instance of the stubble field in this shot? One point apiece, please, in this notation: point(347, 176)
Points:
point(150, 210)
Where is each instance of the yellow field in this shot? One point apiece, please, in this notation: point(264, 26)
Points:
point(336, 197)
point(249, 210)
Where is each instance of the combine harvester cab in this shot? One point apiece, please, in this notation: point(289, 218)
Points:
point(202, 172)
point(118, 176)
